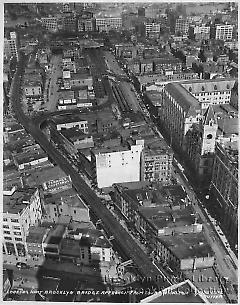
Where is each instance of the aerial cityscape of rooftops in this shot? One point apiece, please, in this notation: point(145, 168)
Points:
point(120, 156)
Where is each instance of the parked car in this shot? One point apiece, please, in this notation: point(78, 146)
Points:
point(21, 265)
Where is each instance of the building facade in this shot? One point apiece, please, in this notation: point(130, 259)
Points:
point(108, 23)
point(181, 26)
point(11, 45)
point(224, 188)
point(117, 164)
point(222, 32)
point(152, 28)
point(201, 32)
point(50, 23)
point(21, 209)
point(179, 110)
point(157, 165)
point(215, 91)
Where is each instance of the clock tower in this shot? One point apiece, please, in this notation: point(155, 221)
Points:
point(209, 128)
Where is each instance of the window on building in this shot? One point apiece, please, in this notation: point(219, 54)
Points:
point(18, 239)
point(14, 220)
point(215, 87)
point(7, 238)
point(5, 219)
point(74, 211)
point(5, 227)
point(203, 89)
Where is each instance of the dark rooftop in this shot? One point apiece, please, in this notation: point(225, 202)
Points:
point(182, 96)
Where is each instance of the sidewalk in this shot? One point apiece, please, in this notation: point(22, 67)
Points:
point(210, 236)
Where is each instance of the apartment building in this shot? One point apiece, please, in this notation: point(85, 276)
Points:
point(65, 203)
point(69, 22)
point(21, 209)
point(181, 26)
point(152, 28)
point(94, 247)
point(201, 32)
point(116, 164)
point(108, 23)
point(224, 187)
point(185, 251)
point(86, 24)
point(11, 46)
point(165, 220)
point(156, 163)
point(222, 32)
point(50, 23)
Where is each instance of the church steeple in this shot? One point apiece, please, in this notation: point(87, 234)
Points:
point(209, 116)
point(209, 131)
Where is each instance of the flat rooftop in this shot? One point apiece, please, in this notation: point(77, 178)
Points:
point(69, 197)
point(83, 75)
point(111, 149)
point(231, 150)
point(36, 234)
point(74, 134)
point(13, 127)
point(66, 95)
point(92, 237)
point(228, 126)
point(29, 156)
point(188, 245)
point(18, 201)
point(11, 177)
point(164, 217)
point(55, 235)
point(153, 95)
point(65, 119)
point(155, 194)
point(42, 175)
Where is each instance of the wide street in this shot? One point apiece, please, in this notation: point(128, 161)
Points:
point(112, 64)
point(51, 88)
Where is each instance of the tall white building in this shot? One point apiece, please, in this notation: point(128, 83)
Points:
point(21, 209)
point(117, 164)
point(152, 28)
point(223, 31)
point(108, 23)
point(11, 45)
